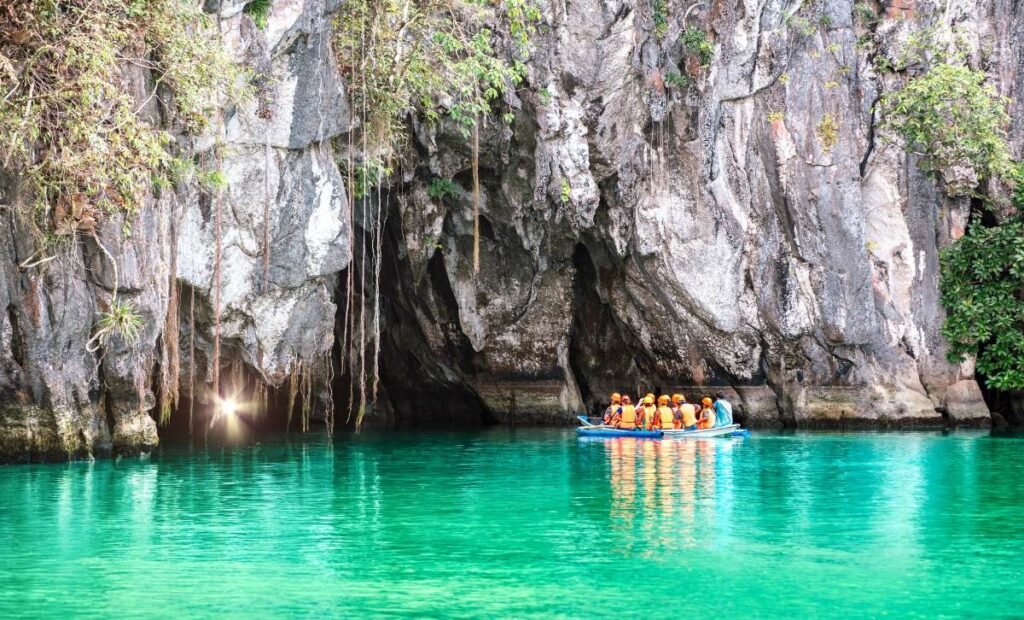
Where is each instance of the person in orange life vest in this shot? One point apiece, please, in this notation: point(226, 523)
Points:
point(687, 415)
point(677, 416)
point(616, 403)
point(647, 411)
point(663, 417)
point(707, 414)
point(625, 417)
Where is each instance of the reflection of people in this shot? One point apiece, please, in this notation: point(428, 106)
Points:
point(707, 414)
point(723, 410)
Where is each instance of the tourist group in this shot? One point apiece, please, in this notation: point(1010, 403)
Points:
point(668, 413)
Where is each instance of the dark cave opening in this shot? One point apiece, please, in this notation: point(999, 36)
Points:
point(420, 386)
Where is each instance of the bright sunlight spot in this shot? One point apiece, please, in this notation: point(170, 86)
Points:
point(228, 407)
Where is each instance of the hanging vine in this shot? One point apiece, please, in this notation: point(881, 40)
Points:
point(435, 59)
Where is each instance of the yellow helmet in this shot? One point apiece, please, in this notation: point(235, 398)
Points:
point(616, 397)
point(663, 399)
point(678, 398)
point(649, 400)
point(706, 402)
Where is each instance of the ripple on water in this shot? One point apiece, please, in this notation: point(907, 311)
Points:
point(524, 523)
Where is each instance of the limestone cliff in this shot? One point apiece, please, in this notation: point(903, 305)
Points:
point(647, 222)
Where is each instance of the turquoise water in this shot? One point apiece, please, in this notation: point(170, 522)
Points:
point(525, 523)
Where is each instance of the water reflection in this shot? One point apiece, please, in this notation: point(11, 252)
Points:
point(665, 494)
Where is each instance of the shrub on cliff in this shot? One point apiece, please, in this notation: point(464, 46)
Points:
point(955, 122)
point(982, 289)
point(69, 126)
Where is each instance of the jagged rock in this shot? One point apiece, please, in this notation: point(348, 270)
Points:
point(751, 231)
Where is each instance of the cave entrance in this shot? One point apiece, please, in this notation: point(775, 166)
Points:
point(425, 379)
point(248, 412)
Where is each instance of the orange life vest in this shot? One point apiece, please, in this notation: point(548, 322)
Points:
point(627, 419)
point(709, 420)
point(647, 415)
point(689, 414)
point(665, 417)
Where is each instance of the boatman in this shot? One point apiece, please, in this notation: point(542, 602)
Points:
point(613, 408)
point(723, 410)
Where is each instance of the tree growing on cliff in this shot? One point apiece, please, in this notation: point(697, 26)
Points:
point(982, 289)
point(951, 117)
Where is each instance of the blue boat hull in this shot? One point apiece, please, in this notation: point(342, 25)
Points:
point(614, 432)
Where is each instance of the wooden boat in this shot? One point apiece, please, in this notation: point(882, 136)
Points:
point(718, 431)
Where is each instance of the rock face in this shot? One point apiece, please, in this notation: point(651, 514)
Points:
point(647, 223)
point(283, 192)
point(652, 223)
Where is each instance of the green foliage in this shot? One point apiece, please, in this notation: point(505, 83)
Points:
point(784, 79)
point(439, 188)
point(696, 42)
point(369, 174)
point(660, 10)
point(122, 319)
point(948, 116)
point(775, 116)
point(212, 180)
point(432, 57)
point(828, 132)
point(981, 288)
point(545, 96)
point(677, 80)
point(566, 193)
point(865, 14)
point(68, 126)
point(825, 21)
point(803, 26)
point(259, 11)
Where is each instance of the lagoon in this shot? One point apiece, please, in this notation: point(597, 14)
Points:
point(524, 523)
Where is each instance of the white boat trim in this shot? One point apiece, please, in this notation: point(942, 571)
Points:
point(719, 431)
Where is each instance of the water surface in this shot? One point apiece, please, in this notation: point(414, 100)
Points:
point(525, 523)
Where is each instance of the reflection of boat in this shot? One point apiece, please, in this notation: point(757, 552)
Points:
point(719, 431)
point(607, 431)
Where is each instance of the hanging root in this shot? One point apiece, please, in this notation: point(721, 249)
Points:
point(293, 389)
point(476, 197)
point(170, 365)
point(191, 359)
